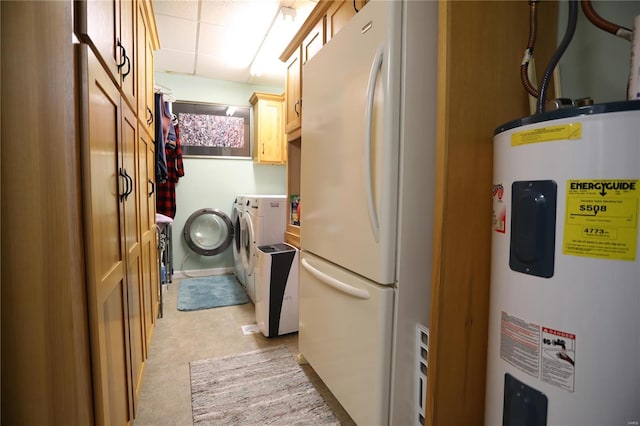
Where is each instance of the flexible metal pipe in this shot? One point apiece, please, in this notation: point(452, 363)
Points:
point(528, 53)
point(568, 35)
point(603, 24)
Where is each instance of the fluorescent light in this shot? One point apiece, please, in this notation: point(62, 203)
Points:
point(280, 33)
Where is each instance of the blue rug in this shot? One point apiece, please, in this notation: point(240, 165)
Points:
point(210, 292)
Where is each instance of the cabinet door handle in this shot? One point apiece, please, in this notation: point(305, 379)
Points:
point(123, 194)
point(295, 107)
point(150, 119)
point(128, 61)
point(124, 54)
point(153, 187)
point(130, 179)
point(128, 184)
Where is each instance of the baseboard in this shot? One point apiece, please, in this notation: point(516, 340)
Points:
point(202, 272)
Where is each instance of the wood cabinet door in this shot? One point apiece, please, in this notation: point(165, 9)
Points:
point(129, 152)
point(338, 14)
point(270, 135)
point(97, 23)
point(268, 130)
point(129, 70)
point(150, 284)
point(145, 72)
point(293, 96)
point(109, 27)
point(103, 191)
point(314, 41)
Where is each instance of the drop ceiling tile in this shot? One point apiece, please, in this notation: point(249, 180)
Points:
point(212, 67)
point(176, 33)
point(174, 61)
point(243, 13)
point(228, 44)
point(186, 9)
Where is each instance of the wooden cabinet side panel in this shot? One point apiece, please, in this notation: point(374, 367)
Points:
point(46, 376)
point(462, 240)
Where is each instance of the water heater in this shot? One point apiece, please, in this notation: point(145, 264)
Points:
point(564, 325)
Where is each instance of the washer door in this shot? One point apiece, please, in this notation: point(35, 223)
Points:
point(208, 232)
point(247, 245)
point(237, 228)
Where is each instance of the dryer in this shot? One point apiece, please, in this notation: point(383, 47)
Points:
point(236, 219)
point(263, 222)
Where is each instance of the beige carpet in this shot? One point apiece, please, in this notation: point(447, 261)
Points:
point(261, 387)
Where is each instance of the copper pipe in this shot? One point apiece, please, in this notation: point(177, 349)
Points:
point(528, 53)
point(603, 24)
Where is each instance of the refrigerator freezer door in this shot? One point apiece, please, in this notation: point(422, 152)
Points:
point(345, 334)
point(350, 133)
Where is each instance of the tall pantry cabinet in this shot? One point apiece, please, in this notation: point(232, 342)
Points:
point(118, 185)
point(80, 284)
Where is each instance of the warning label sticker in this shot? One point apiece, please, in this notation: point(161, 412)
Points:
point(571, 131)
point(601, 219)
point(520, 344)
point(558, 358)
point(542, 352)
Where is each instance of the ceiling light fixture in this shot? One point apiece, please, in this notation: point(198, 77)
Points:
point(279, 35)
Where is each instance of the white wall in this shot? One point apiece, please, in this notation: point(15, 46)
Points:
point(210, 182)
point(596, 63)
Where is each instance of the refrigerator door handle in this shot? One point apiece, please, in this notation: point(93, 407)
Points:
point(337, 284)
point(371, 89)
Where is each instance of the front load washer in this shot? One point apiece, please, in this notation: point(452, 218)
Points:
point(236, 218)
point(208, 232)
point(263, 222)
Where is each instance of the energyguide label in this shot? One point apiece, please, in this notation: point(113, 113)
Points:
point(601, 219)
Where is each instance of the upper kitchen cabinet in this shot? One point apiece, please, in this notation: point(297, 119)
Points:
point(293, 96)
point(313, 41)
point(339, 13)
point(309, 40)
point(324, 22)
point(109, 28)
point(269, 144)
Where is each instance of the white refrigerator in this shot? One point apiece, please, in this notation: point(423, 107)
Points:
point(367, 190)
